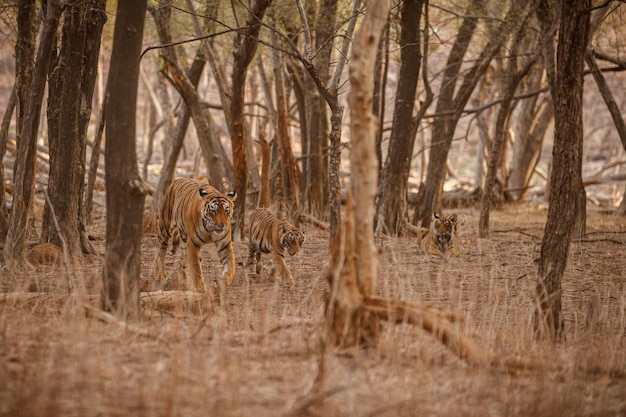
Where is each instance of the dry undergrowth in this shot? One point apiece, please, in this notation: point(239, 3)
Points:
point(259, 354)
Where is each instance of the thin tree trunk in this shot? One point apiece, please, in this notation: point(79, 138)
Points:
point(391, 205)
point(245, 48)
point(513, 77)
point(4, 134)
point(567, 197)
point(288, 164)
point(24, 176)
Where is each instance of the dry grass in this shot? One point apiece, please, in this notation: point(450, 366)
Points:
point(260, 353)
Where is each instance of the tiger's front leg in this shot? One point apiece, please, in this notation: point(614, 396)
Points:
point(159, 265)
point(280, 268)
point(229, 266)
point(193, 264)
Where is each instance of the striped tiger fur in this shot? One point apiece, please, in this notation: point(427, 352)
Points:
point(441, 238)
point(197, 214)
point(268, 234)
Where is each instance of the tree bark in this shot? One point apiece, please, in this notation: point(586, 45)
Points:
point(125, 189)
point(391, 205)
point(71, 84)
point(24, 176)
point(567, 197)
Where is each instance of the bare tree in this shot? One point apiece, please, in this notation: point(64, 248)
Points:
point(567, 197)
point(184, 86)
point(24, 176)
point(513, 76)
point(452, 101)
point(126, 190)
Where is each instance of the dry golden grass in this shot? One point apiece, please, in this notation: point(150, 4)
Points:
point(260, 353)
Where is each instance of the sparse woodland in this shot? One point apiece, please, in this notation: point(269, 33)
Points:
point(364, 118)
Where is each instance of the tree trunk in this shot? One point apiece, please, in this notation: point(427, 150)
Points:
point(125, 189)
point(567, 197)
point(245, 48)
point(287, 162)
point(354, 257)
point(533, 118)
point(391, 206)
point(318, 182)
point(71, 84)
point(4, 134)
point(24, 176)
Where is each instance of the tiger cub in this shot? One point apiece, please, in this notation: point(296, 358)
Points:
point(268, 234)
point(197, 214)
point(441, 238)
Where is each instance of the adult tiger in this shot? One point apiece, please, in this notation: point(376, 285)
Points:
point(198, 214)
point(268, 234)
point(441, 238)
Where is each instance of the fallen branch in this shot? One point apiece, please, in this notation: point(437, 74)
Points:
point(440, 325)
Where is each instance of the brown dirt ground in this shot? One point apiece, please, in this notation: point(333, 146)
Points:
point(260, 353)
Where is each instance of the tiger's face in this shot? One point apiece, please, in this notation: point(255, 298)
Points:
point(291, 238)
point(444, 227)
point(217, 209)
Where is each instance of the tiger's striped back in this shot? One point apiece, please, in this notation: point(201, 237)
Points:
point(268, 234)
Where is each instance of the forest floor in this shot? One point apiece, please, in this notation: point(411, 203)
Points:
point(261, 352)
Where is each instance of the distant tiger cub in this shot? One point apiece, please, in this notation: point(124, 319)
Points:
point(268, 234)
point(198, 214)
point(441, 238)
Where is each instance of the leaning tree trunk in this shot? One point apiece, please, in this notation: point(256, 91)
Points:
point(185, 87)
point(24, 176)
point(178, 134)
point(429, 196)
point(567, 197)
point(443, 126)
point(71, 84)
point(126, 190)
point(351, 281)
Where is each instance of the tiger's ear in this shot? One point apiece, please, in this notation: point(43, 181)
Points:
point(452, 218)
point(232, 195)
point(202, 192)
point(436, 216)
